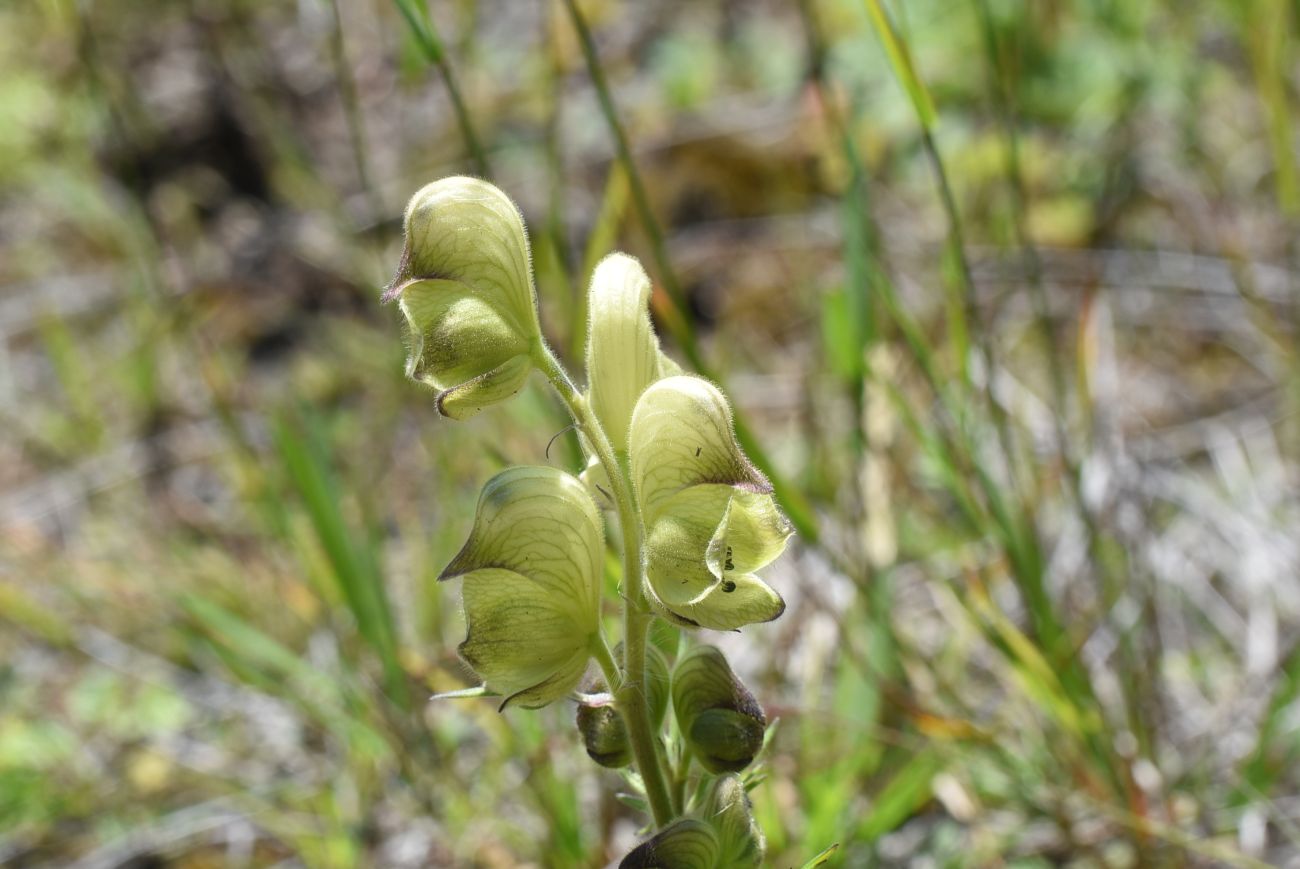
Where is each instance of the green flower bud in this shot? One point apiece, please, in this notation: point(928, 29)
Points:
point(623, 355)
point(531, 570)
point(603, 733)
point(725, 836)
point(465, 286)
point(740, 840)
point(720, 720)
point(685, 844)
point(710, 517)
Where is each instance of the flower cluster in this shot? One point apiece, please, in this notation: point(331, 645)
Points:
point(702, 520)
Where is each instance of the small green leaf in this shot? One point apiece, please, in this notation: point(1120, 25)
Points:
point(822, 857)
point(464, 693)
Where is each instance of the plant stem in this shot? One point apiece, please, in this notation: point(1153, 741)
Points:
point(426, 37)
point(605, 658)
point(680, 775)
point(630, 696)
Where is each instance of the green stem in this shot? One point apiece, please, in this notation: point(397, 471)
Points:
point(680, 776)
point(630, 696)
point(426, 37)
point(605, 658)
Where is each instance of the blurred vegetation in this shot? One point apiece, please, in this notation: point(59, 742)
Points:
point(1006, 292)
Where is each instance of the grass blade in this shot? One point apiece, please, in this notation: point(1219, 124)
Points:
point(426, 37)
point(353, 561)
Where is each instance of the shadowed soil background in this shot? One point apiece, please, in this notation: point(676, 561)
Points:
point(1006, 293)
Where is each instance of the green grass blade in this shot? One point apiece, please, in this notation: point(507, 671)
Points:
point(259, 652)
point(426, 37)
point(352, 558)
point(906, 792)
point(260, 660)
point(900, 59)
point(822, 857)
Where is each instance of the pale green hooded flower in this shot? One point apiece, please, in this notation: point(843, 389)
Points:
point(623, 355)
point(710, 518)
point(531, 570)
point(465, 285)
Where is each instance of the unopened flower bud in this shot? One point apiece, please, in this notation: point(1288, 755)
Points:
point(685, 844)
point(623, 355)
point(722, 835)
point(465, 286)
point(740, 840)
point(604, 734)
point(720, 719)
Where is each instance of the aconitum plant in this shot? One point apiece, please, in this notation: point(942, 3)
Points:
point(695, 521)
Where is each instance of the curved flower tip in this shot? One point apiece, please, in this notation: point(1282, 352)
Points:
point(465, 286)
point(531, 571)
point(710, 517)
point(623, 355)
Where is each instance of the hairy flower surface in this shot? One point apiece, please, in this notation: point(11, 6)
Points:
point(531, 571)
point(710, 518)
point(465, 286)
point(623, 355)
point(741, 843)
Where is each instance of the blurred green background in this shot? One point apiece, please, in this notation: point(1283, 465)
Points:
point(1006, 293)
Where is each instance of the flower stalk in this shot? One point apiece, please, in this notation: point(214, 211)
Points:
point(631, 693)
